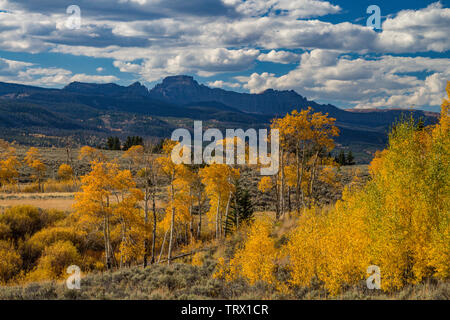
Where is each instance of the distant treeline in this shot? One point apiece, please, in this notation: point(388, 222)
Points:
point(345, 160)
point(114, 143)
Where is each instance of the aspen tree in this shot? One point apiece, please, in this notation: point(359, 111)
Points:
point(109, 193)
point(33, 160)
point(9, 164)
point(148, 170)
point(65, 172)
point(170, 170)
point(217, 179)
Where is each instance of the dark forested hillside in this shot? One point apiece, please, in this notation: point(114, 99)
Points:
point(91, 112)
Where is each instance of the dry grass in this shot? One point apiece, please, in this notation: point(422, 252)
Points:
point(56, 203)
point(53, 200)
point(182, 281)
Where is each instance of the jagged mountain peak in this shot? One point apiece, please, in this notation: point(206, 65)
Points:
point(136, 84)
point(185, 90)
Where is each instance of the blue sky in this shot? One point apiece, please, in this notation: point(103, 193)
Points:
point(321, 49)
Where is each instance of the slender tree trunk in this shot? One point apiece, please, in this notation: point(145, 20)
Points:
point(162, 246)
point(299, 174)
point(146, 245)
point(108, 249)
point(199, 229)
point(289, 200)
point(121, 247)
point(191, 222)
point(169, 254)
point(154, 227)
point(300, 190)
point(172, 222)
point(217, 218)
point(282, 184)
point(313, 176)
point(105, 235)
point(226, 213)
point(237, 212)
point(277, 196)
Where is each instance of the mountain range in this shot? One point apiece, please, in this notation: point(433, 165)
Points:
point(89, 112)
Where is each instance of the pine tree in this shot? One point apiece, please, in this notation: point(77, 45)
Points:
point(350, 158)
point(113, 143)
point(340, 159)
point(133, 141)
point(241, 208)
point(116, 145)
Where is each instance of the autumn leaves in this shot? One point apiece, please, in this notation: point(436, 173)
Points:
point(306, 138)
point(399, 221)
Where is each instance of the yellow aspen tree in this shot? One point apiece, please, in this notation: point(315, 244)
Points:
point(126, 209)
point(217, 179)
point(9, 164)
point(10, 262)
point(33, 160)
point(169, 169)
point(54, 261)
point(109, 194)
point(94, 202)
point(305, 248)
point(257, 260)
point(269, 184)
point(65, 172)
point(91, 154)
point(199, 194)
point(147, 175)
point(185, 197)
point(305, 138)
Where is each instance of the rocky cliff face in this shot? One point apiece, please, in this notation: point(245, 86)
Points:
point(185, 90)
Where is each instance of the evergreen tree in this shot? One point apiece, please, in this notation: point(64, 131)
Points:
point(110, 143)
point(113, 143)
point(133, 141)
point(241, 208)
point(350, 158)
point(340, 159)
point(116, 143)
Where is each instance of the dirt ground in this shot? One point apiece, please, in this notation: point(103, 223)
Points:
point(60, 201)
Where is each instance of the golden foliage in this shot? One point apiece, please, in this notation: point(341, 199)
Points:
point(218, 180)
point(91, 154)
point(54, 261)
point(305, 138)
point(265, 184)
point(10, 261)
point(109, 194)
point(9, 164)
point(256, 260)
point(33, 160)
point(65, 172)
point(399, 222)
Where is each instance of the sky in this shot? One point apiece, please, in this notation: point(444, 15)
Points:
point(323, 50)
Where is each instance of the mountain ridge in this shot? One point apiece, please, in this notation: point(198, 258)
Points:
point(90, 112)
